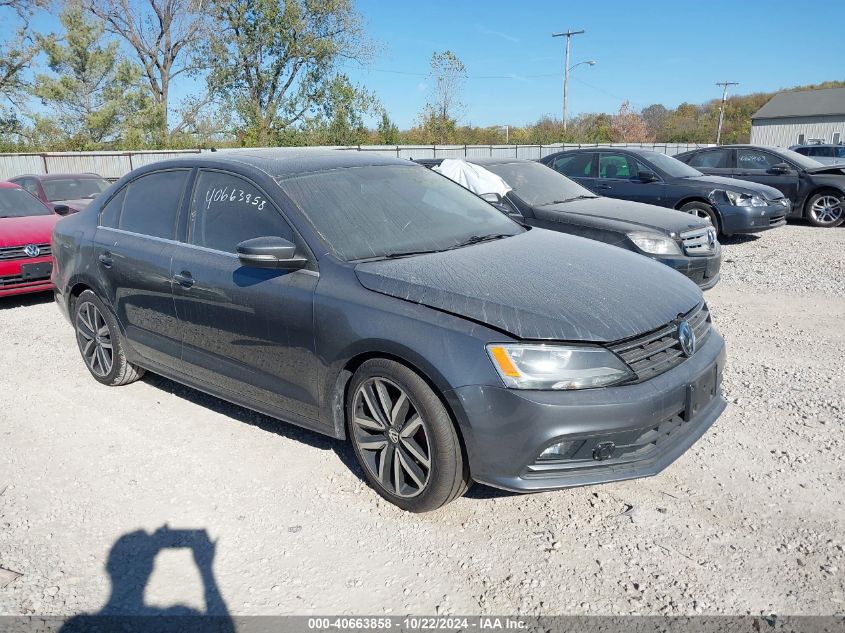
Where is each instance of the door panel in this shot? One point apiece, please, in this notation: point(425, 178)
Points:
point(244, 330)
point(248, 330)
point(136, 271)
point(618, 179)
point(756, 166)
point(134, 244)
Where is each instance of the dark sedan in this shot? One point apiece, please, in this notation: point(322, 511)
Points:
point(647, 176)
point(817, 191)
point(367, 298)
point(544, 198)
point(75, 191)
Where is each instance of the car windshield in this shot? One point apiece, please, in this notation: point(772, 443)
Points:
point(393, 210)
point(799, 159)
point(539, 185)
point(19, 203)
point(74, 188)
point(669, 165)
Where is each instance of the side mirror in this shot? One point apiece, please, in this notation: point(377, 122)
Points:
point(61, 209)
point(492, 198)
point(647, 176)
point(269, 252)
point(780, 168)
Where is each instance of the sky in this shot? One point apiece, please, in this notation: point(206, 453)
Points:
point(657, 51)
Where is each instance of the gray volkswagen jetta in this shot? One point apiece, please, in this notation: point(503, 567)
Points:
point(369, 299)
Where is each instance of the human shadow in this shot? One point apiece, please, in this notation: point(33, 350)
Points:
point(130, 564)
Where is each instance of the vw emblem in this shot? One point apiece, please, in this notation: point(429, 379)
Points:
point(32, 250)
point(711, 238)
point(393, 434)
point(686, 337)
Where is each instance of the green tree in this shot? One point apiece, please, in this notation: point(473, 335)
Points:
point(388, 132)
point(93, 92)
point(439, 118)
point(19, 49)
point(164, 35)
point(275, 61)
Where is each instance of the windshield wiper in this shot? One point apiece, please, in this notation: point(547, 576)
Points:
point(477, 239)
point(565, 200)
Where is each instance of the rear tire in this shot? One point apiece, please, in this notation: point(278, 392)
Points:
point(100, 342)
point(825, 209)
point(702, 210)
point(404, 437)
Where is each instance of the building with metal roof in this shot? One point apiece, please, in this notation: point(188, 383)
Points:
point(796, 118)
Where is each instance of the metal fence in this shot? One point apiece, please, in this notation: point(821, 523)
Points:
point(113, 165)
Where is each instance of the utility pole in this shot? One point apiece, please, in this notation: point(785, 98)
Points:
point(568, 35)
point(724, 85)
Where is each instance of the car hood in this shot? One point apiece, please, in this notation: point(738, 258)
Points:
point(79, 204)
point(32, 229)
point(541, 285)
point(743, 186)
point(624, 215)
point(829, 170)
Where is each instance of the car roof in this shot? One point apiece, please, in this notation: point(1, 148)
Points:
point(59, 176)
point(475, 160)
point(9, 185)
point(282, 162)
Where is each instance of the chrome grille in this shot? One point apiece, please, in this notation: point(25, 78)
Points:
point(699, 242)
point(659, 351)
point(19, 252)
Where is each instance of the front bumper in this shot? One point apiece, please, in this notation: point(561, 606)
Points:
point(703, 271)
point(751, 219)
point(651, 424)
point(13, 280)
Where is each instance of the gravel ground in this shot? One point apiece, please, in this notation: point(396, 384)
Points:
point(750, 520)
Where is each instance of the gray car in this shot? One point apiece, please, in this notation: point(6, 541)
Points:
point(372, 300)
point(825, 154)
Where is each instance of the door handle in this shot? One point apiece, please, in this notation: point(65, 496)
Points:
point(105, 259)
point(184, 279)
point(603, 187)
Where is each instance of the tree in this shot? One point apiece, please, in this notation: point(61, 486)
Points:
point(275, 61)
point(388, 132)
point(19, 50)
point(439, 118)
point(163, 34)
point(629, 126)
point(655, 117)
point(93, 91)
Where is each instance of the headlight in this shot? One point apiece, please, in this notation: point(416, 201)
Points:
point(744, 200)
point(655, 244)
point(557, 366)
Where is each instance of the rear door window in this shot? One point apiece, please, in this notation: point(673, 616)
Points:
point(826, 152)
point(151, 203)
point(110, 215)
point(574, 165)
point(714, 159)
point(227, 209)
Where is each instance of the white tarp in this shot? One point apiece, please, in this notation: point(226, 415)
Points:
point(475, 178)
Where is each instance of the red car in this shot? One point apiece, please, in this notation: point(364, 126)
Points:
point(26, 225)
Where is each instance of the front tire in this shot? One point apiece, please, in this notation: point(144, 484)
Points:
point(100, 343)
point(403, 437)
point(702, 210)
point(825, 209)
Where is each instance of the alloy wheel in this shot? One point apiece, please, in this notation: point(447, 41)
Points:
point(94, 337)
point(826, 209)
point(392, 438)
point(701, 213)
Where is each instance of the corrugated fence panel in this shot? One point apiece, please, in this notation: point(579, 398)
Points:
point(106, 165)
point(12, 165)
point(113, 165)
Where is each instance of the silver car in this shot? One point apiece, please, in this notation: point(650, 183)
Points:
point(825, 154)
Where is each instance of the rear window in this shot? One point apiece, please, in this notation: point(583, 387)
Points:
point(152, 202)
point(74, 188)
